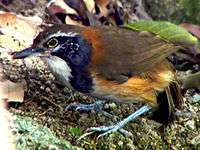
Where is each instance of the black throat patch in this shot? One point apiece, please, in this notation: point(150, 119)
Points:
point(76, 51)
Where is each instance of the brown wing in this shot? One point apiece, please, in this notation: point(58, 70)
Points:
point(119, 53)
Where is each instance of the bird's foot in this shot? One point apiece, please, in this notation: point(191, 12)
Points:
point(97, 107)
point(110, 129)
point(106, 130)
point(119, 126)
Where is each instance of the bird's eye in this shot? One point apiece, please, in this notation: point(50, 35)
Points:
point(52, 42)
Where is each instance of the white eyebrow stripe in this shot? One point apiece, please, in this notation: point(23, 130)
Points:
point(50, 2)
point(59, 33)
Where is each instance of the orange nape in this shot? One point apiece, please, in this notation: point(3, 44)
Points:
point(94, 37)
point(142, 87)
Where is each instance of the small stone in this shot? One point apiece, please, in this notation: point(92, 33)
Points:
point(106, 106)
point(44, 104)
point(48, 90)
point(48, 82)
point(12, 76)
point(191, 124)
point(42, 87)
point(195, 140)
point(53, 147)
point(84, 97)
point(196, 98)
point(51, 77)
point(191, 109)
point(110, 105)
point(120, 143)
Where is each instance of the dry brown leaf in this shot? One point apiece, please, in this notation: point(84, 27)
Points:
point(102, 4)
point(87, 12)
point(9, 43)
point(17, 31)
point(194, 29)
point(19, 23)
point(68, 20)
point(9, 90)
point(60, 6)
point(77, 12)
point(90, 4)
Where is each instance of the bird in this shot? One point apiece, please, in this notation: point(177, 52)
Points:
point(112, 63)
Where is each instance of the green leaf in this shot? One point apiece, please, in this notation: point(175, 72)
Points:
point(167, 31)
point(75, 131)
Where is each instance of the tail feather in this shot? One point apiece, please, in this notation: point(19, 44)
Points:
point(176, 95)
point(168, 100)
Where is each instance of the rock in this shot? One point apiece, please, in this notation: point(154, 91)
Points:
point(191, 125)
point(196, 98)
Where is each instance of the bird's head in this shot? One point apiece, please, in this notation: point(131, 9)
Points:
point(64, 49)
point(65, 42)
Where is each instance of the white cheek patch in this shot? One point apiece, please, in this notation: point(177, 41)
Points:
point(59, 68)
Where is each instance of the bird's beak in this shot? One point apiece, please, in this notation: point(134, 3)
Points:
point(28, 52)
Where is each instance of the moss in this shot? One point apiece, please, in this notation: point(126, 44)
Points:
point(31, 135)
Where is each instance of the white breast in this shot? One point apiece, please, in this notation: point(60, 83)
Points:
point(59, 68)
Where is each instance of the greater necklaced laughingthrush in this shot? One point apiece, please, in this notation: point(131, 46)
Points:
point(111, 63)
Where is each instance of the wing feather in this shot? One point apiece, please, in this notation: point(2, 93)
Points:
point(127, 53)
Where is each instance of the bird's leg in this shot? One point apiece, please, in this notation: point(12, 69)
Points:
point(96, 106)
point(109, 129)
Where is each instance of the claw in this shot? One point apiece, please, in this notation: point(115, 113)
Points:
point(123, 131)
point(84, 135)
point(100, 129)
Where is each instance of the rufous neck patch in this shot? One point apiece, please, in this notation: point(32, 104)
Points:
point(93, 36)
